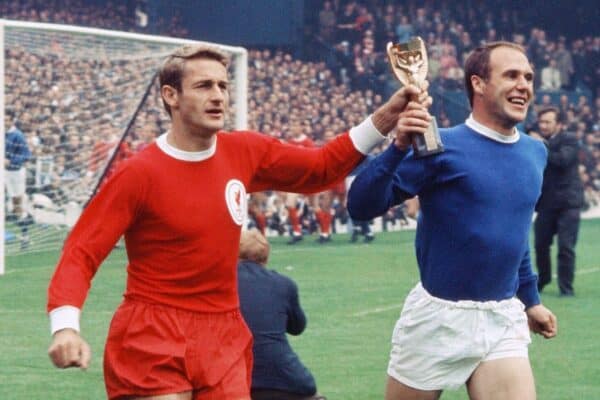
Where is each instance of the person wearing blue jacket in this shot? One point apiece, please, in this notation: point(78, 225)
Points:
point(271, 307)
point(467, 321)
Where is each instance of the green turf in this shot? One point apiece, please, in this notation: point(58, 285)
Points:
point(352, 294)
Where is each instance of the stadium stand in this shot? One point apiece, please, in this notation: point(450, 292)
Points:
point(342, 77)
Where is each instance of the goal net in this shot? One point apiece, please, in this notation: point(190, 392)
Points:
point(85, 100)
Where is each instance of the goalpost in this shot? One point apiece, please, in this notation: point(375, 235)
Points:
point(85, 99)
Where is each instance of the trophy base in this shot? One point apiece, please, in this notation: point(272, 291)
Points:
point(429, 143)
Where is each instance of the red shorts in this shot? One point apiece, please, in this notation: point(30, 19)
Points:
point(154, 349)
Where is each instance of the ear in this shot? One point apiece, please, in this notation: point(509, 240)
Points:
point(170, 96)
point(478, 84)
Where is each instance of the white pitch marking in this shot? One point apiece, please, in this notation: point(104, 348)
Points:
point(376, 310)
point(19, 269)
point(581, 272)
point(381, 309)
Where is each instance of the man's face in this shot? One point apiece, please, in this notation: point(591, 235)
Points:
point(295, 129)
point(203, 100)
point(9, 122)
point(548, 124)
point(509, 88)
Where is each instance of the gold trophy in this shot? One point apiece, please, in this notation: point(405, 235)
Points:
point(409, 65)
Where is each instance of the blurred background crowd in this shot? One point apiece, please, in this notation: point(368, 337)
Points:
point(73, 110)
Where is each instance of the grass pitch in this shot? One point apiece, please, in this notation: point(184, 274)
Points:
point(351, 293)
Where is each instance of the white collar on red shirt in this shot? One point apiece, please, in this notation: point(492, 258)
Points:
point(300, 138)
point(490, 133)
point(174, 152)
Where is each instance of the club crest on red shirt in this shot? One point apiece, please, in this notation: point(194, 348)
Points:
point(235, 196)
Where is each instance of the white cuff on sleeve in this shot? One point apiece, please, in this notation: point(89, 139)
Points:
point(64, 317)
point(365, 136)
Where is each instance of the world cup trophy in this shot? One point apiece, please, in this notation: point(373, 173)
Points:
point(409, 65)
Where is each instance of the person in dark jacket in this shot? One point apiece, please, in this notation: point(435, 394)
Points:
point(270, 305)
point(559, 206)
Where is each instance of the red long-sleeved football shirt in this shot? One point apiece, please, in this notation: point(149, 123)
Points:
point(181, 214)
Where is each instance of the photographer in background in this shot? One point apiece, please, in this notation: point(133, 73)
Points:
point(271, 307)
point(559, 206)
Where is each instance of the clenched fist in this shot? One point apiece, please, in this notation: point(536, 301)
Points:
point(68, 349)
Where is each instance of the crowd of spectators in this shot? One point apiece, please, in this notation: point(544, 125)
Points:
point(352, 36)
point(113, 14)
point(75, 110)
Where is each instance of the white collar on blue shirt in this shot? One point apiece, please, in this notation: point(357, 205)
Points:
point(490, 133)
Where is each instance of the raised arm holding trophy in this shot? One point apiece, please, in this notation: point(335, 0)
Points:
point(409, 65)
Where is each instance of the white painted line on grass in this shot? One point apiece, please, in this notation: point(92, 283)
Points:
point(582, 272)
point(12, 271)
point(50, 267)
point(381, 309)
point(43, 312)
point(376, 310)
point(293, 249)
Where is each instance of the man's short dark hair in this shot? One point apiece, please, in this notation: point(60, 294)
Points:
point(478, 63)
point(551, 109)
point(9, 114)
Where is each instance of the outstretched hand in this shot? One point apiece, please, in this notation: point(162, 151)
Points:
point(542, 321)
point(68, 349)
point(408, 93)
point(385, 118)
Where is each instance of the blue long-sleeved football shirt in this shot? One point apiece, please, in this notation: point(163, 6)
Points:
point(477, 201)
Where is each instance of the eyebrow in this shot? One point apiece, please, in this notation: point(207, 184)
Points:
point(515, 70)
point(209, 80)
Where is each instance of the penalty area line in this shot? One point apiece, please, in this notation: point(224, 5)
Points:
point(377, 310)
point(582, 272)
point(21, 269)
point(381, 309)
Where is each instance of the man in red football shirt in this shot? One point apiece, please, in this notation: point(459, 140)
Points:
point(180, 203)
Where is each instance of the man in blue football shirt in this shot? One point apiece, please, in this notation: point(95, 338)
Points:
point(468, 319)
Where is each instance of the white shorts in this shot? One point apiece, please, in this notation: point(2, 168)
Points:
point(15, 183)
point(437, 344)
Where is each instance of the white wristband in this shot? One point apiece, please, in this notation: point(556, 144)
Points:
point(64, 317)
point(365, 136)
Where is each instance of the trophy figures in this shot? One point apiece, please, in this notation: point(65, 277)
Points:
point(409, 65)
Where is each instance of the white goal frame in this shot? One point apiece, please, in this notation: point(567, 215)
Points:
point(239, 71)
